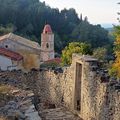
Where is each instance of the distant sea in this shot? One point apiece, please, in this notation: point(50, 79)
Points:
point(107, 25)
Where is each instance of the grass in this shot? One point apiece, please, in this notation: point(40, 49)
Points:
point(5, 89)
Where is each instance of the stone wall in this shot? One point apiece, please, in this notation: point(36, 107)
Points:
point(99, 95)
point(55, 88)
point(94, 96)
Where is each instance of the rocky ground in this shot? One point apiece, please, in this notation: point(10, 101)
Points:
point(16, 100)
point(19, 101)
point(58, 114)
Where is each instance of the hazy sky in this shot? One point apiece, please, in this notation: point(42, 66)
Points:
point(98, 11)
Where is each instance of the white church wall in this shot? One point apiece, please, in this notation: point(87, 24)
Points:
point(6, 63)
point(17, 47)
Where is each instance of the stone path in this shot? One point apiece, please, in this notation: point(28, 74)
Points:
point(58, 114)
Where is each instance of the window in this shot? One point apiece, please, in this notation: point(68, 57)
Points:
point(47, 45)
point(6, 46)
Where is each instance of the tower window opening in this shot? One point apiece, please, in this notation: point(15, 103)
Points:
point(47, 45)
point(6, 46)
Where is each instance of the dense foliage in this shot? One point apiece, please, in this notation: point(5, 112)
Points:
point(93, 34)
point(100, 53)
point(28, 17)
point(74, 47)
point(6, 29)
point(115, 70)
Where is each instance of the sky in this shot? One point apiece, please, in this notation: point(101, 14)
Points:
point(98, 11)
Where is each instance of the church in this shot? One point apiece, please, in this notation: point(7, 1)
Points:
point(18, 53)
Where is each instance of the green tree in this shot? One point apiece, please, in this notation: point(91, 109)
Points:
point(100, 53)
point(93, 34)
point(74, 47)
point(115, 69)
point(6, 29)
point(30, 16)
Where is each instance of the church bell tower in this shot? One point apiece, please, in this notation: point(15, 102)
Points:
point(47, 43)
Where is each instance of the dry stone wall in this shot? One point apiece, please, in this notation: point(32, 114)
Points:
point(55, 88)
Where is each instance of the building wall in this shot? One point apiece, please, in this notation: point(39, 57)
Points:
point(31, 56)
point(99, 99)
point(8, 64)
point(5, 62)
point(55, 88)
point(47, 46)
point(17, 47)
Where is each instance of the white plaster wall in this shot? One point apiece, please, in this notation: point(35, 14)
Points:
point(17, 47)
point(5, 62)
point(26, 51)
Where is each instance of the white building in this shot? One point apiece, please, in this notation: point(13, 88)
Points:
point(20, 53)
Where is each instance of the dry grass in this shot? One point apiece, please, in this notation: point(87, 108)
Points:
point(5, 89)
point(5, 95)
point(3, 118)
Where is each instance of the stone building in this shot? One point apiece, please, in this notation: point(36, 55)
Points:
point(13, 47)
point(47, 43)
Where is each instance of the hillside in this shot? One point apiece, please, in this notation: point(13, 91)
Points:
point(27, 18)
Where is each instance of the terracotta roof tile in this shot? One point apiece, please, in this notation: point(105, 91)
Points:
point(13, 55)
point(47, 29)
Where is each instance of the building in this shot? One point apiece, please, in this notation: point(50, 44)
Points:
point(9, 60)
point(20, 53)
point(47, 43)
point(13, 46)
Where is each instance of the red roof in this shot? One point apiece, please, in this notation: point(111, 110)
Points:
point(13, 55)
point(57, 60)
point(47, 29)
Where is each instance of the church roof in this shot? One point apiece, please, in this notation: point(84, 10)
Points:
point(13, 55)
point(20, 40)
point(47, 29)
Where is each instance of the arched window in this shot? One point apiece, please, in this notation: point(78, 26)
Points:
point(47, 45)
point(6, 46)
